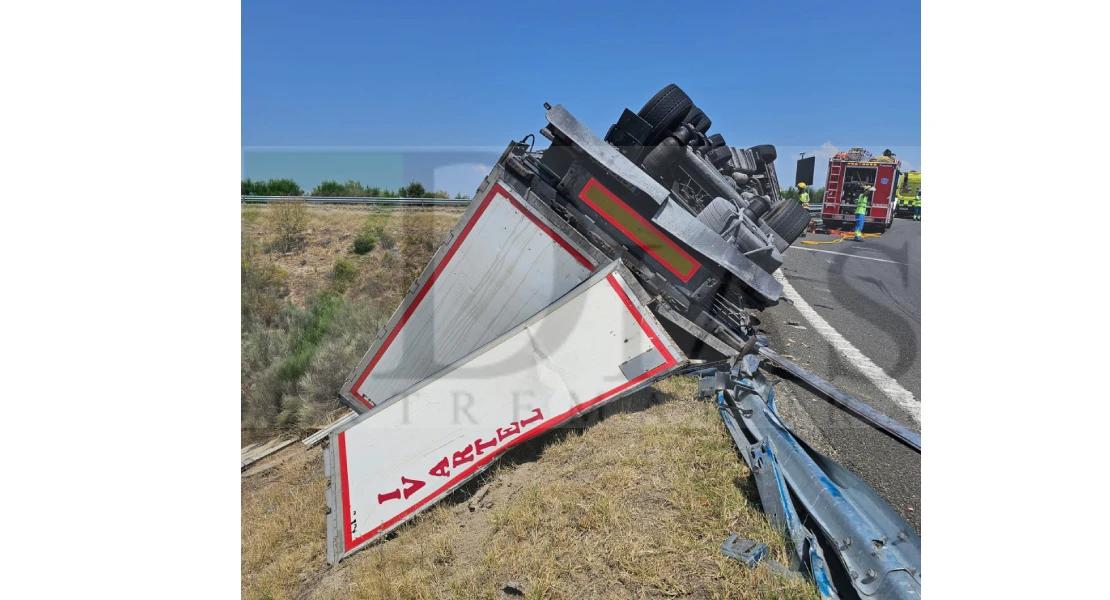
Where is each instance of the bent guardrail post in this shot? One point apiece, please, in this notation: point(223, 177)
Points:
point(773, 494)
point(864, 412)
point(879, 552)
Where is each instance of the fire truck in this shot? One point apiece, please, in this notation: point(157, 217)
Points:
point(850, 173)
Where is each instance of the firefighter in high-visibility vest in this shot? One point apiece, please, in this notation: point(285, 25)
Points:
point(803, 197)
point(917, 207)
point(861, 212)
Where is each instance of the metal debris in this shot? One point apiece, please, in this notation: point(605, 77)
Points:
point(256, 452)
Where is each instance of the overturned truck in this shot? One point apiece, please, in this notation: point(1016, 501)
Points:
point(579, 274)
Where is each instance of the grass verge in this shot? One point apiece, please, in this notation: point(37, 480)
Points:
point(634, 506)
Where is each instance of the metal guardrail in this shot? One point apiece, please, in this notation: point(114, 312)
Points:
point(864, 412)
point(806, 494)
point(358, 200)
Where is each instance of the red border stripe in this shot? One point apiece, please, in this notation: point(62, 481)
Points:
point(669, 361)
point(497, 188)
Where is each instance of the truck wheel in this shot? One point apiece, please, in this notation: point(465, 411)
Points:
point(767, 151)
point(789, 219)
point(719, 156)
point(716, 140)
point(698, 120)
point(664, 112)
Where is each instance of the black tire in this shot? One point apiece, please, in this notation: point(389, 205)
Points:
point(767, 151)
point(665, 112)
point(789, 219)
point(716, 140)
point(719, 156)
point(698, 120)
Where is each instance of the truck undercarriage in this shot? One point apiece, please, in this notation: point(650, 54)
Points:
point(701, 224)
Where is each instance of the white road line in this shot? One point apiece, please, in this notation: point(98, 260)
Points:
point(898, 394)
point(846, 254)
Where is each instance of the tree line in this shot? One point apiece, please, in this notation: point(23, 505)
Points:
point(334, 189)
point(815, 194)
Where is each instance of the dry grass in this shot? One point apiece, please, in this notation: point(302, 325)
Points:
point(411, 238)
point(286, 222)
point(283, 524)
point(634, 506)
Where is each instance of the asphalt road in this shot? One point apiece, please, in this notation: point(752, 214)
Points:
point(870, 293)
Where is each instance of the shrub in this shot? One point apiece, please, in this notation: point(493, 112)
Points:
point(319, 320)
point(328, 188)
point(287, 222)
point(413, 190)
point(272, 187)
point(343, 274)
point(262, 287)
point(350, 189)
point(365, 242)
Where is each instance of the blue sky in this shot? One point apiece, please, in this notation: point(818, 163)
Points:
point(805, 76)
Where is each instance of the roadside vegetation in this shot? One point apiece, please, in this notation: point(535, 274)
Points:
point(317, 283)
point(271, 187)
point(355, 189)
point(348, 189)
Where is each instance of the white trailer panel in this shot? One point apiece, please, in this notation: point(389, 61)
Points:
point(504, 263)
point(597, 343)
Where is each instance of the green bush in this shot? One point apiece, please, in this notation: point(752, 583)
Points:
point(262, 287)
point(319, 321)
point(343, 274)
point(271, 187)
point(350, 189)
point(365, 242)
point(329, 188)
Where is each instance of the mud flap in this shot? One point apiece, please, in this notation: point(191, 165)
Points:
point(595, 344)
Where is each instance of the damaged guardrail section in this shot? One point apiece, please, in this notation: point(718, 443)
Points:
point(876, 552)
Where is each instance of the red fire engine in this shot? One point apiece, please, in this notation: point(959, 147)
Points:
point(850, 173)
